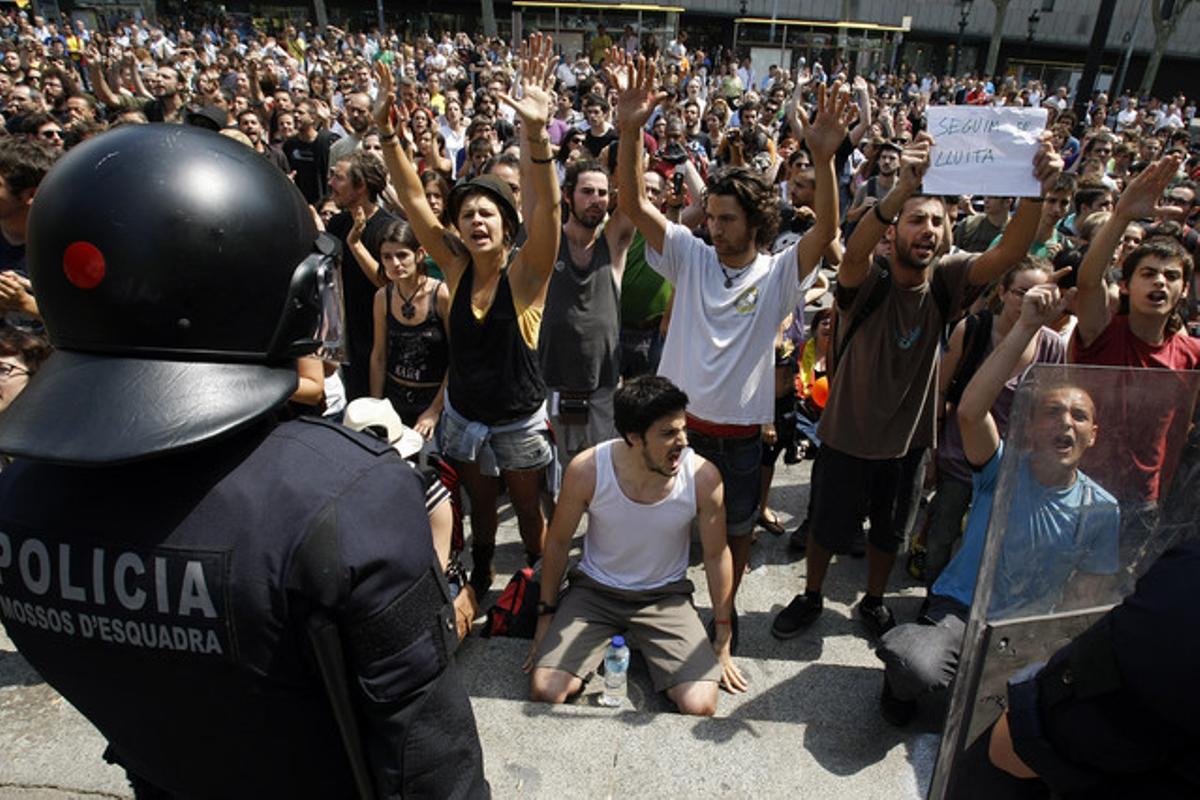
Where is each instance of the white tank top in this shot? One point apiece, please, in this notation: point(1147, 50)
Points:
point(638, 546)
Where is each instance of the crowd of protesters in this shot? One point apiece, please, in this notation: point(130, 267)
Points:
point(524, 232)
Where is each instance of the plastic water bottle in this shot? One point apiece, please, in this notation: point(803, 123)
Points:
point(616, 670)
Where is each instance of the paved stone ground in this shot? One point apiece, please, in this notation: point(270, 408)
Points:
point(809, 722)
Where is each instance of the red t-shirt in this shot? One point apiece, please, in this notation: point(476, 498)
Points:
point(1136, 452)
point(1117, 346)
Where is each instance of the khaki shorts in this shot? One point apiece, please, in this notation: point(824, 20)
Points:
point(661, 623)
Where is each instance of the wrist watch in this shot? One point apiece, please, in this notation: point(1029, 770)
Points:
point(544, 608)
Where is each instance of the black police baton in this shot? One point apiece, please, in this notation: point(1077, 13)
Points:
point(327, 647)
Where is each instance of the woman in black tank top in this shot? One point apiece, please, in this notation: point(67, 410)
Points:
point(411, 350)
point(495, 385)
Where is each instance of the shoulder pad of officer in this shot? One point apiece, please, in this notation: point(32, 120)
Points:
point(366, 441)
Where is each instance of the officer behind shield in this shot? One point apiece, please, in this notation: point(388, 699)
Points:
point(1061, 528)
point(1114, 713)
point(243, 607)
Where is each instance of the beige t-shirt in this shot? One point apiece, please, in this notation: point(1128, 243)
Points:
point(883, 400)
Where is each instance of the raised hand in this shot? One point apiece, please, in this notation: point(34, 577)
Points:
point(536, 69)
point(1047, 165)
point(384, 111)
point(914, 163)
point(1044, 304)
point(639, 99)
point(827, 130)
point(1142, 197)
point(793, 110)
point(360, 224)
point(616, 68)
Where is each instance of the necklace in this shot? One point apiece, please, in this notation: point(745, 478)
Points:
point(407, 309)
point(728, 278)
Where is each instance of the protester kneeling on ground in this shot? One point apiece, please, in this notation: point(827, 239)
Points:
point(641, 494)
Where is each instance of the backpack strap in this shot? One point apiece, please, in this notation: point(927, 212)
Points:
point(975, 345)
point(874, 300)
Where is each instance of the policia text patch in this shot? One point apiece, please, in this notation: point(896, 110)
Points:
point(163, 599)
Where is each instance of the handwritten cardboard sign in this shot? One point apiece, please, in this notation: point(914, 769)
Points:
point(981, 150)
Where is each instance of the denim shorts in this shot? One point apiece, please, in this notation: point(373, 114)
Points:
point(517, 450)
point(740, 463)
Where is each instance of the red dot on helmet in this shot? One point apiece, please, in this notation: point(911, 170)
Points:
point(84, 265)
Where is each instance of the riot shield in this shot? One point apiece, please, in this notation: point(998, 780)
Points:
point(1075, 521)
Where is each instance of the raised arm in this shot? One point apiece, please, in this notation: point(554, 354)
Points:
point(1140, 200)
point(823, 135)
point(862, 98)
point(636, 102)
point(530, 272)
point(441, 242)
point(856, 261)
point(100, 87)
point(1041, 305)
point(693, 215)
point(362, 255)
point(1018, 234)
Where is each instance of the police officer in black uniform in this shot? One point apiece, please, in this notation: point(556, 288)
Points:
point(243, 607)
point(1115, 713)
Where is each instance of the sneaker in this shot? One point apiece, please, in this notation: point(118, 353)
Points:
point(795, 619)
point(896, 711)
point(878, 619)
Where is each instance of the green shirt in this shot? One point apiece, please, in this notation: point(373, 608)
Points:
point(1037, 249)
point(644, 293)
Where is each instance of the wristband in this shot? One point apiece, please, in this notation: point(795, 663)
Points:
point(721, 622)
point(387, 138)
point(545, 160)
point(879, 216)
point(544, 608)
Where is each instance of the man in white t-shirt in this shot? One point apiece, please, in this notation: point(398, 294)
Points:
point(730, 298)
point(641, 494)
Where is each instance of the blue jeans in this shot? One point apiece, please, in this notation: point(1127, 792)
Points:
point(740, 463)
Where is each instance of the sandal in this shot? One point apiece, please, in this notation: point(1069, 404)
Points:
point(771, 526)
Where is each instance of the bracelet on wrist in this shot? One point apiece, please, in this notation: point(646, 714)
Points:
point(387, 138)
point(545, 160)
point(722, 622)
point(879, 216)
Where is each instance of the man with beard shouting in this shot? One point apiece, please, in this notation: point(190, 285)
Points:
point(881, 414)
point(581, 323)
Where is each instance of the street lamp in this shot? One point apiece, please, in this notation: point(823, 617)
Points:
point(1031, 26)
point(964, 14)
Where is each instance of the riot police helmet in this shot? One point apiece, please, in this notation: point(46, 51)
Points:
point(180, 276)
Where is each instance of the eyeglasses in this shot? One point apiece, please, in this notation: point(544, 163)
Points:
point(11, 370)
point(51, 133)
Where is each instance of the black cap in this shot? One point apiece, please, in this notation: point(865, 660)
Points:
point(491, 186)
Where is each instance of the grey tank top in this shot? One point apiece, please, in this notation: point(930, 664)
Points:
point(581, 322)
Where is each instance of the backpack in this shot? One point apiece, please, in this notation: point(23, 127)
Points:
point(515, 611)
point(976, 338)
point(879, 292)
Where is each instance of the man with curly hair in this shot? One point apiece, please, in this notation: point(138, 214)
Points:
point(730, 298)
